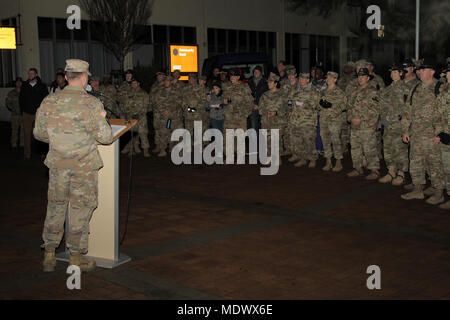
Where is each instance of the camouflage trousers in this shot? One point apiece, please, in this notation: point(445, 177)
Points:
point(345, 134)
point(286, 140)
point(331, 138)
point(364, 144)
point(303, 139)
point(77, 191)
point(142, 130)
point(16, 130)
point(445, 156)
point(162, 134)
point(270, 125)
point(425, 157)
point(395, 151)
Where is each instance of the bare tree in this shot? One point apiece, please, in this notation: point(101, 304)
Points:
point(118, 23)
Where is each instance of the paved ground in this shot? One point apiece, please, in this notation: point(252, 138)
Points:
point(225, 232)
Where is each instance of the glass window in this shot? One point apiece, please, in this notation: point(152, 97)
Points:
point(62, 32)
point(262, 41)
point(252, 41)
point(81, 34)
point(190, 36)
point(232, 41)
point(211, 40)
point(45, 28)
point(221, 40)
point(159, 34)
point(242, 41)
point(175, 34)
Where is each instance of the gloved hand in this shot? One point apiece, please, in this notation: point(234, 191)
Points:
point(325, 104)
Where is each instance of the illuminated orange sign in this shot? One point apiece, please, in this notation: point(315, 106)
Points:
point(7, 38)
point(183, 58)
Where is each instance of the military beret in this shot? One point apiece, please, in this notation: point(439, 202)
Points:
point(76, 65)
point(396, 67)
point(291, 70)
point(363, 72)
point(332, 74)
point(273, 78)
point(304, 75)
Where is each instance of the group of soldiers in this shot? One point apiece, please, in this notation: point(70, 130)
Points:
point(399, 123)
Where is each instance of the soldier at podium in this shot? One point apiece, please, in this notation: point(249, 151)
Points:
point(72, 122)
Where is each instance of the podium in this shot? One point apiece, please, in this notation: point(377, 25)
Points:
point(104, 224)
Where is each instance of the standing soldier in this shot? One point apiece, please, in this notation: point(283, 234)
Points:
point(303, 123)
point(417, 127)
point(177, 83)
point(136, 107)
point(379, 82)
point(155, 90)
point(288, 91)
point(270, 108)
point(125, 86)
point(193, 104)
point(239, 103)
point(333, 104)
point(364, 116)
point(410, 77)
point(12, 104)
point(347, 76)
point(72, 122)
point(392, 107)
point(109, 94)
point(168, 115)
point(441, 123)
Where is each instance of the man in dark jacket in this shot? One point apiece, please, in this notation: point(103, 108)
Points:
point(258, 85)
point(32, 93)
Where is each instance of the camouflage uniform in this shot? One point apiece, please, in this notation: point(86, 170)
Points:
point(364, 105)
point(136, 105)
point(109, 100)
point(288, 92)
point(271, 101)
point(303, 123)
point(194, 97)
point(418, 124)
point(154, 93)
point(168, 99)
point(331, 120)
point(441, 123)
point(71, 122)
point(12, 104)
point(392, 108)
point(344, 80)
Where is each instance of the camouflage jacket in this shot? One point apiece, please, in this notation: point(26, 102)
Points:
point(411, 84)
point(420, 109)
point(169, 100)
point(344, 80)
point(122, 92)
point(337, 112)
point(365, 106)
point(379, 82)
point(71, 122)
point(393, 104)
point(441, 119)
point(154, 92)
point(271, 101)
point(12, 102)
point(109, 99)
point(304, 108)
point(136, 104)
point(241, 102)
point(288, 92)
point(194, 97)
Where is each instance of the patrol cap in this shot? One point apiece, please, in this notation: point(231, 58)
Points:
point(234, 72)
point(408, 63)
point(363, 72)
point(95, 78)
point(273, 78)
point(350, 64)
point(361, 63)
point(291, 70)
point(396, 67)
point(332, 74)
point(204, 78)
point(305, 75)
point(76, 65)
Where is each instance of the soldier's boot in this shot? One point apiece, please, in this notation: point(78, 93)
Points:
point(146, 153)
point(76, 259)
point(156, 150)
point(399, 180)
point(328, 165)
point(312, 164)
point(338, 166)
point(409, 187)
point(389, 177)
point(300, 163)
point(436, 198)
point(126, 149)
point(429, 191)
point(162, 154)
point(294, 158)
point(374, 175)
point(445, 206)
point(417, 193)
point(49, 263)
point(137, 149)
point(356, 173)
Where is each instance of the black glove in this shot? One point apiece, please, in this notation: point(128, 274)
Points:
point(325, 104)
point(445, 138)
